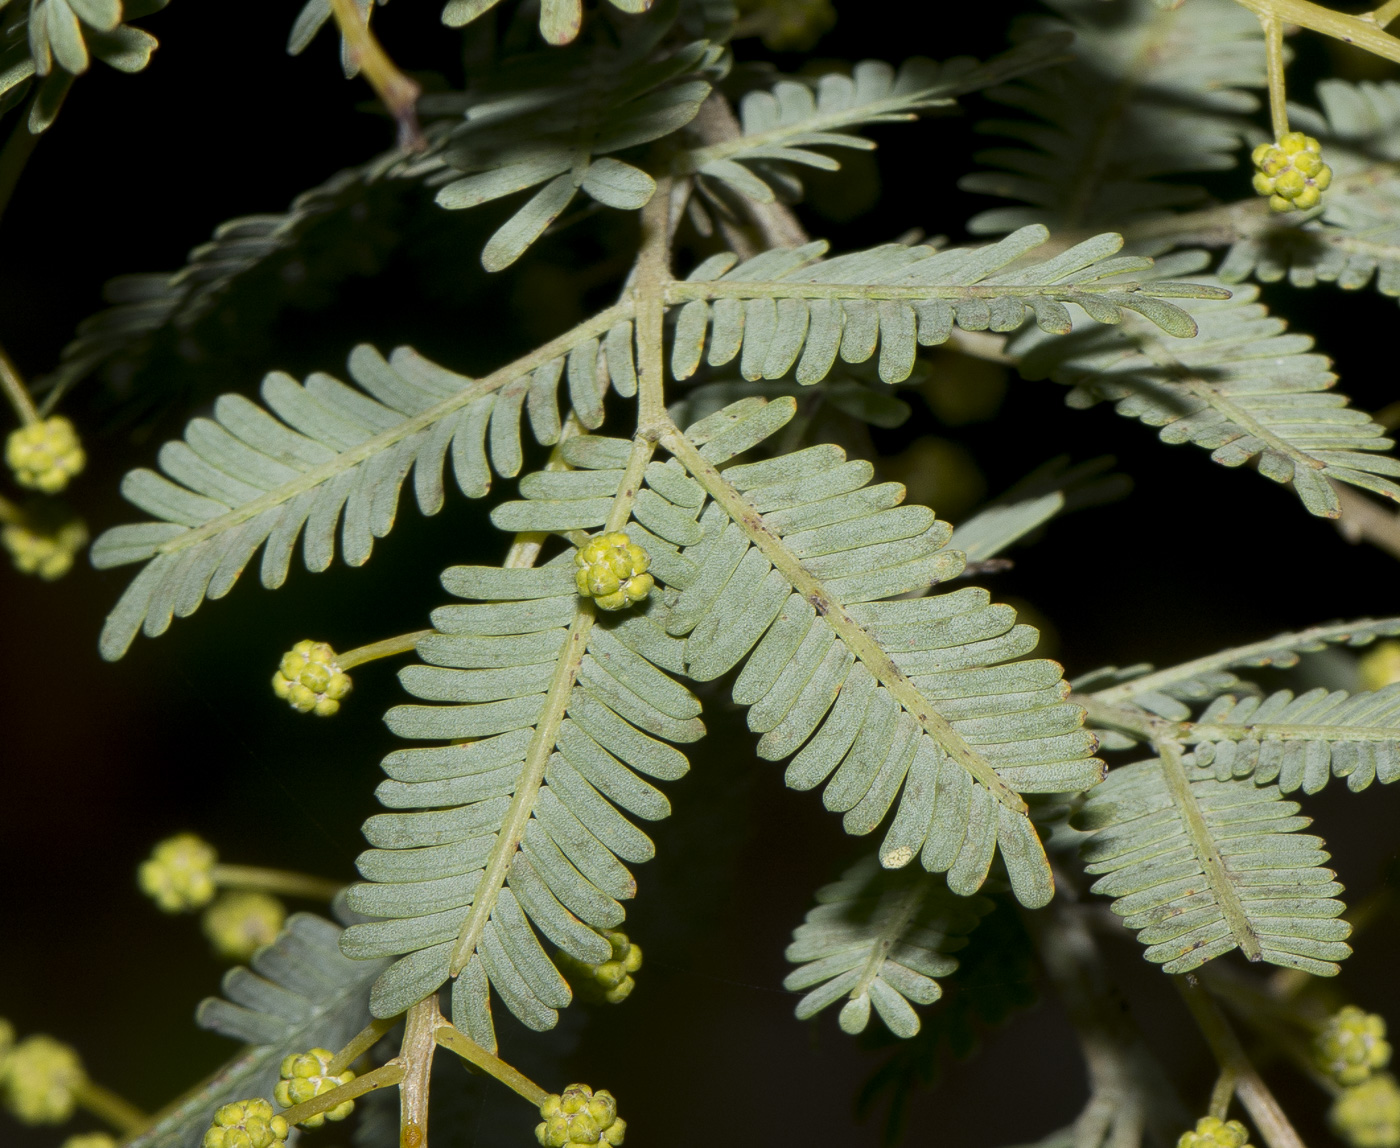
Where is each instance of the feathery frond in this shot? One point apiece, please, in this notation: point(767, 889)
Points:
point(1150, 92)
point(1200, 867)
point(557, 121)
point(790, 574)
point(1299, 742)
point(791, 307)
point(275, 254)
point(247, 479)
point(1242, 389)
point(1166, 692)
point(554, 714)
point(880, 937)
point(300, 993)
point(781, 127)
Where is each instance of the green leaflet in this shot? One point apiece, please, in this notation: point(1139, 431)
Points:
point(900, 704)
point(780, 127)
point(1299, 742)
point(564, 719)
point(328, 456)
point(1242, 389)
point(1089, 162)
point(1264, 873)
point(879, 937)
point(555, 120)
point(791, 309)
point(300, 993)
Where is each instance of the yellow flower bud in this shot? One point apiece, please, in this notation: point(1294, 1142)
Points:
point(44, 455)
point(90, 1140)
point(306, 1076)
point(1368, 1115)
point(579, 1116)
point(45, 540)
point(1380, 666)
point(309, 679)
point(1212, 1132)
point(612, 571)
point(1351, 1046)
point(246, 1124)
point(241, 922)
point(608, 981)
point(1291, 173)
point(179, 873)
point(41, 1081)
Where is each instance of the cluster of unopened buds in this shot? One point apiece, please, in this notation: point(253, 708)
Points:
point(1291, 172)
point(1367, 1115)
point(1212, 1132)
point(44, 541)
point(40, 1077)
point(612, 570)
point(179, 875)
point(609, 980)
point(310, 680)
point(307, 1076)
point(579, 1115)
point(242, 921)
point(1351, 1046)
point(246, 1124)
point(45, 454)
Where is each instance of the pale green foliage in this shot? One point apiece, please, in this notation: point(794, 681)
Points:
point(779, 128)
point(1299, 742)
point(1242, 389)
point(879, 937)
point(300, 993)
point(783, 304)
point(1148, 93)
point(1142, 845)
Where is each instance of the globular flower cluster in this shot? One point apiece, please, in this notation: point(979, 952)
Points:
point(179, 875)
point(612, 570)
point(241, 922)
point(1381, 666)
point(579, 1115)
point(1212, 1132)
point(246, 1124)
point(44, 542)
point(307, 1076)
point(1291, 172)
point(609, 980)
point(1368, 1115)
point(41, 1080)
point(309, 679)
point(44, 455)
point(787, 25)
point(1352, 1046)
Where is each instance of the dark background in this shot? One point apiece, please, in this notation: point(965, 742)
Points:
point(100, 761)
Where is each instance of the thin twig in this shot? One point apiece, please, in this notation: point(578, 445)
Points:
point(454, 1040)
point(1266, 1112)
point(1273, 53)
point(106, 1105)
point(14, 388)
point(399, 93)
point(275, 881)
point(386, 648)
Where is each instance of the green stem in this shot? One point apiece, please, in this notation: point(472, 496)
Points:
point(869, 651)
point(649, 290)
point(1383, 16)
point(276, 881)
point(388, 648)
point(399, 93)
point(382, 1077)
point(106, 1105)
point(685, 290)
point(1358, 30)
point(14, 387)
point(1222, 1094)
point(416, 1057)
point(1278, 96)
point(454, 1040)
point(1254, 1094)
point(1179, 786)
point(359, 1044)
